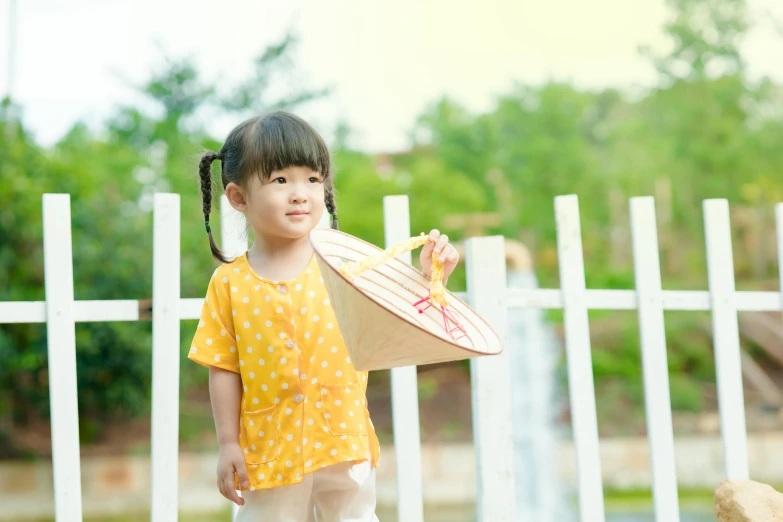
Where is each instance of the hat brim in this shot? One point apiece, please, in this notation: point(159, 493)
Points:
point(380, 324)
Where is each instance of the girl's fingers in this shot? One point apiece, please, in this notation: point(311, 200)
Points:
point(426, 251)
point(434, 234)
point(443, 240)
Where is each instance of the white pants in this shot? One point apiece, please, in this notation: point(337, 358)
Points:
point(339, 493)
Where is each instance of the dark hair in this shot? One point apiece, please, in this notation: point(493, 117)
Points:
point(260, 146)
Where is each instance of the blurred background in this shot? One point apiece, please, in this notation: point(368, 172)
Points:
point(480, 112)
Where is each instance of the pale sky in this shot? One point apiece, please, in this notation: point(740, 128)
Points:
point(386, 61)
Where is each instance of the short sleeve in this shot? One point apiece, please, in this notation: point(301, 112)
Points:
point(215, 343)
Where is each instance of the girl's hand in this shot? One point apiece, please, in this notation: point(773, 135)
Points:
point(439, 245)
point(231, 461)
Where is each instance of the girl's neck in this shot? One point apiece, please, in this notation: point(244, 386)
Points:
point(280, 259)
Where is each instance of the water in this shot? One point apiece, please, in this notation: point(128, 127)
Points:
point(533, 351)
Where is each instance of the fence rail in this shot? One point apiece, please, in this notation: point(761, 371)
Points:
point(492, 385)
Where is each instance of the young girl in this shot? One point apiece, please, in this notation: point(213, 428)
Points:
point(290, 410)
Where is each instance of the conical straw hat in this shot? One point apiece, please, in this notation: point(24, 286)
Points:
point(378, 309)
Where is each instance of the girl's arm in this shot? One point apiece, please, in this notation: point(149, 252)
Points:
point(225, 391)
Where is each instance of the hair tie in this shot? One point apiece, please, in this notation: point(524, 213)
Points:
point(219, 156)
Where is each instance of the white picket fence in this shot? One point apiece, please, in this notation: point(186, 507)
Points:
point(491, 379)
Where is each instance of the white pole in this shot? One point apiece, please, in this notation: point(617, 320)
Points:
point(655, 368)
point(580, 364)
point(491, 384)
point(404, 387)
point(165, 357)
point(12, 39)
point(61, 342)
point(725, 328)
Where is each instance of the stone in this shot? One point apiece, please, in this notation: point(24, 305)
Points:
point(747, 501)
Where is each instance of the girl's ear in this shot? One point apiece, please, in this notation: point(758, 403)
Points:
point(236, 197)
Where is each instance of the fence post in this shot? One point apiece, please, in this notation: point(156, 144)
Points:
point(725, 328)
point(165, 357)
point(649, 298)
point(491, 384)
point(404, 387)
point(779, 228)
point(61, 346)
point(580, 365)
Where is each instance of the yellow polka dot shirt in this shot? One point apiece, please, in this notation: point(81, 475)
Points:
point(304, 405)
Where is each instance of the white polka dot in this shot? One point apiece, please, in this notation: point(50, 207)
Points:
point(258, 287)
point(252, 375)
point(277, 401)
point(298, 287)
point(249, 349)
point(317, 445)
point(327, 415)
point(247, 278)
point(247, 325)
point(348, 360)
point(241, 363)
point(261, 476)
point(361, 427)
point(236, 270)
point(320, 340)
point(222, 332)
point(271, 349)
point(225, 280)
point(252, 488)
point(282, 335)
point(356, 402)
point(354, 447)
point(342, 425)
point(279, 477)
point(271, 443)
point(316, 318)
point(246, 450)
point(324, 392)
point(333, 452)
point(283, 360)
point(339, 373)
point(255, 401)
point(318, 404)
point(245, 388)
point(303, 376)
point(258, 337)
point(307, 335)
point(237, 337)
point(289, 463)
point(261, 362)
point(285, 385)
point(201, 323)
point(260, 433)
point(304, 441)
point(252, 422)
point(234, 313)
point(344, 437)
point(315, 380)
point(324, 364)
point(296, 371)
point(264, 387)
point(253, 447)
point(193, 349)
point(303, 310)
point(334, 349)
point(330, 325)
point(245, 299)
point(267, 298)
point(308, 463)
point(273, 374)
point(350, 413)
point(209, 342)
point(338, 402)
point(312, 293)
point(326, 302)
point(217, 358)
point(234, 289)
point(256, 311)
point(289, 437)
point(309, 422)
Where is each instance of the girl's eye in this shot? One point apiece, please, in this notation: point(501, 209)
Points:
point(279, 180)
point(315, 180)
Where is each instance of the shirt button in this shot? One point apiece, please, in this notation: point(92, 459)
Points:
point(289, 343)
point(298, 398)
point(282, 289)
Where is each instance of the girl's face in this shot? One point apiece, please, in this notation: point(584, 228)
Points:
point(286, 206)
